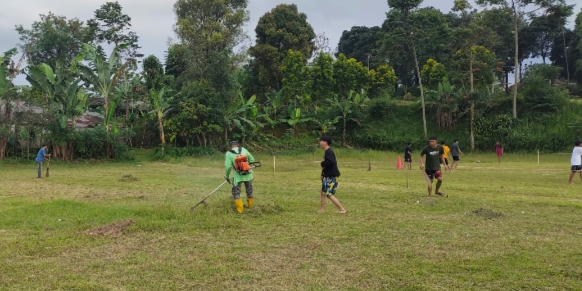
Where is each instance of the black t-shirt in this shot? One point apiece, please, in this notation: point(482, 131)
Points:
point(433, 156)
point(329, 165)
point(408, 152)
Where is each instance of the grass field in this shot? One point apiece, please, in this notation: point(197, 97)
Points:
point(514, 226)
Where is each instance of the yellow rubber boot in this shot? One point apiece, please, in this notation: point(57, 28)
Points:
point(249, 202)
point(239, 205)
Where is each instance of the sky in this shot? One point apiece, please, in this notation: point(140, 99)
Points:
point(153, 20)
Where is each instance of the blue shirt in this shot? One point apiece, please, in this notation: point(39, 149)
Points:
point(40, 156)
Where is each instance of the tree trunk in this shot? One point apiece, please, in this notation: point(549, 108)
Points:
point(344, 132)
point(199, 140)
point(493, 85)
point(3, 143)
point(472, 125)
point(162, 137)
point(472, 80)
point(421, 91)
point(517, 67)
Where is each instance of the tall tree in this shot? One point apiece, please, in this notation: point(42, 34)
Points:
point(295, 77)
point(153, 73)
point(433, 73)
point(53, 38)
point(176, 63)
point(565, 53)
point(382, 80)
point(409, 29)
point(5, 80)
point(361, 43)
point(349, 75)
point(322, 83)
point(5, 87)
point(578, 35)
point(545, 29)
point(209, 31)
point(111, 26)
point(520, 9)
point(282, 29)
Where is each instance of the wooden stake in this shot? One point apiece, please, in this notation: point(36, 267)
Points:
point(274, 164)
point(538, 157)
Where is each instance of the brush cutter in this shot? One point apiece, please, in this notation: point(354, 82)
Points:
point(203, 201)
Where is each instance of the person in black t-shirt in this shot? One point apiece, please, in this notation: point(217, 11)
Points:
point(432, 168)
point(408, 155)
point(329, 175)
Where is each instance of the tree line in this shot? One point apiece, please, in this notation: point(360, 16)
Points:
point(454, 66)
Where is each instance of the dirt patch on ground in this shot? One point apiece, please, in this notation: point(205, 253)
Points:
point(128, 178)
point(111, 230)
point(488, 213)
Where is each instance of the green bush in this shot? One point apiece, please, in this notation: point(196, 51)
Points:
point(184, 152)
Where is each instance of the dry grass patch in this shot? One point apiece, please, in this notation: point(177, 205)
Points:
point(113, 230)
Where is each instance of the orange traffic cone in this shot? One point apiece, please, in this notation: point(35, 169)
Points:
point(399, 163)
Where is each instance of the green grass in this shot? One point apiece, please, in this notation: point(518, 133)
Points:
point(509, 226)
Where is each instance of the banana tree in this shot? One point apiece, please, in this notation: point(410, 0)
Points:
point(325, 124)
point(61, 87)
point(346, 107)
point(125, 91)
point(240, 114)
point(359, 100)
point(161, 106)
point(103, 75)
point(275, 100)
point(295, 117)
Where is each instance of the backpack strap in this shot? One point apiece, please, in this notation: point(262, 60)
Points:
point(239, 151)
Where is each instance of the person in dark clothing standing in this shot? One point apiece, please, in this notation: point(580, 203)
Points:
point(455, 151)
point(432, 168)
point(329, 175)
point(408, 155)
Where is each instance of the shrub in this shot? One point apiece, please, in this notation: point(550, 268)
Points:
point(184, 151)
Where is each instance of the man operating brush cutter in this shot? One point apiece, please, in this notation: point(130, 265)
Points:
point(240, 159)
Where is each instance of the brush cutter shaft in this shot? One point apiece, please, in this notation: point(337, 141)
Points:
point(216, 189)
point(202, 201)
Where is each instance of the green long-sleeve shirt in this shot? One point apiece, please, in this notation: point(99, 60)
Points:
point(229, 164)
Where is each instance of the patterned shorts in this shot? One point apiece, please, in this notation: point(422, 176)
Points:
point(328, 185)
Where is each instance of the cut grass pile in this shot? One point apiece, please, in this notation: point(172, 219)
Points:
point(128, 226)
